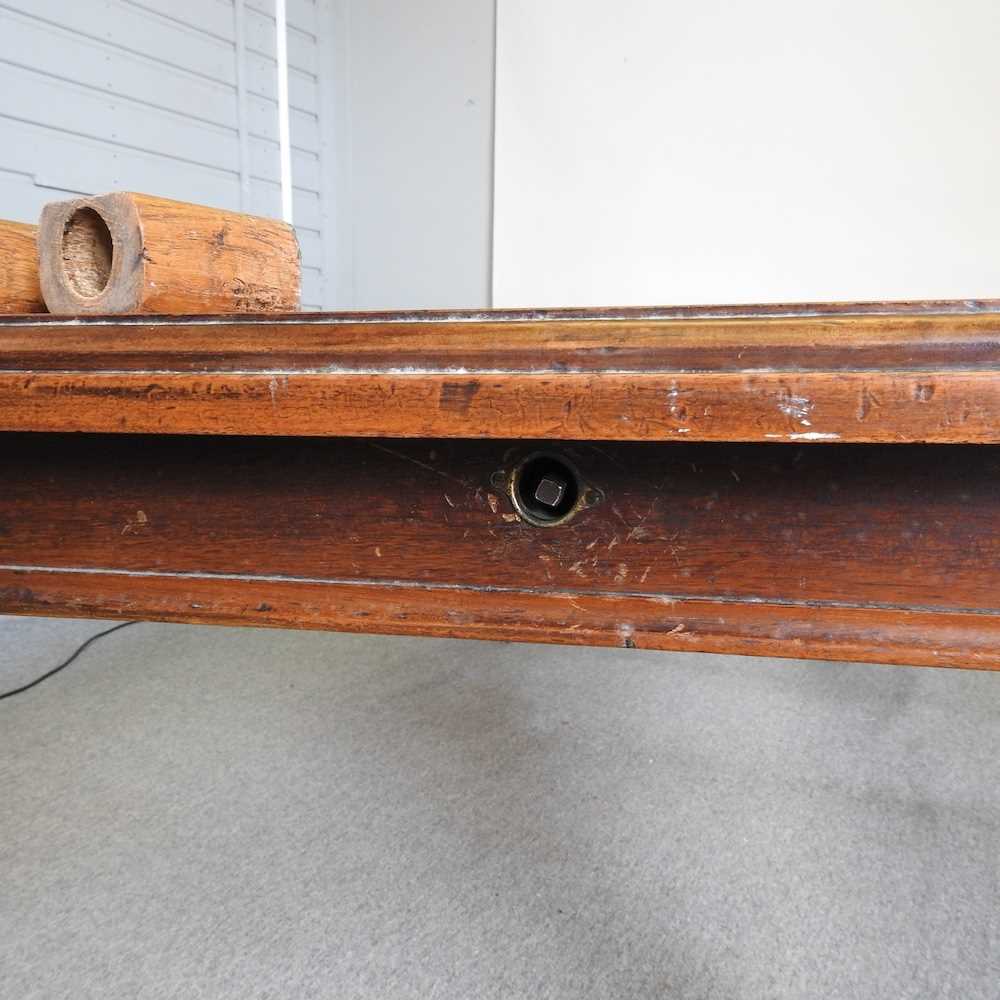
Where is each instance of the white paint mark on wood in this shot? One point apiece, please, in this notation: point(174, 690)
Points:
point(796, 407)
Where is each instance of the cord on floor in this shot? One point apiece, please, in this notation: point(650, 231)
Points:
point(65, 663)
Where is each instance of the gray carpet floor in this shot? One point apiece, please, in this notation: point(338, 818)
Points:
point(221, 813)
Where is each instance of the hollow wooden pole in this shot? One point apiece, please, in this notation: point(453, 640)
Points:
point(19, 288)
point(134, 253)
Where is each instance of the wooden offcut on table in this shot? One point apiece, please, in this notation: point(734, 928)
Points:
point(817, 481)
point(20, 291)
point(127, 253)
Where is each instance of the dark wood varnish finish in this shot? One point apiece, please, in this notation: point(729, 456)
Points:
point(819, 480)
point(847, 407)
point(808, 374)
point(882, 553)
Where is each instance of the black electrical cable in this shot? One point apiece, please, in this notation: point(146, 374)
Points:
point(65, 663)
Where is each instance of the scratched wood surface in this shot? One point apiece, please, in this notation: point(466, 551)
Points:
point(864, 552)
point(882, 372)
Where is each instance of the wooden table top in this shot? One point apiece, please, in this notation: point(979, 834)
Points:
point(812, 373)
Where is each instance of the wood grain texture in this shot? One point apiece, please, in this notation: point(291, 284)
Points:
point(939, 639)
point(881, 337)
point(20, 291)
point(134, 253)
point(933, 407)
point(881, 553)
point(880, 373)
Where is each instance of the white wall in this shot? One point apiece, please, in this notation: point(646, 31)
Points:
point(736, 152)
point(414, 152)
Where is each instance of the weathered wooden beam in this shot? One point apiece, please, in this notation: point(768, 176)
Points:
point(134, 253)
point(19, 288)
